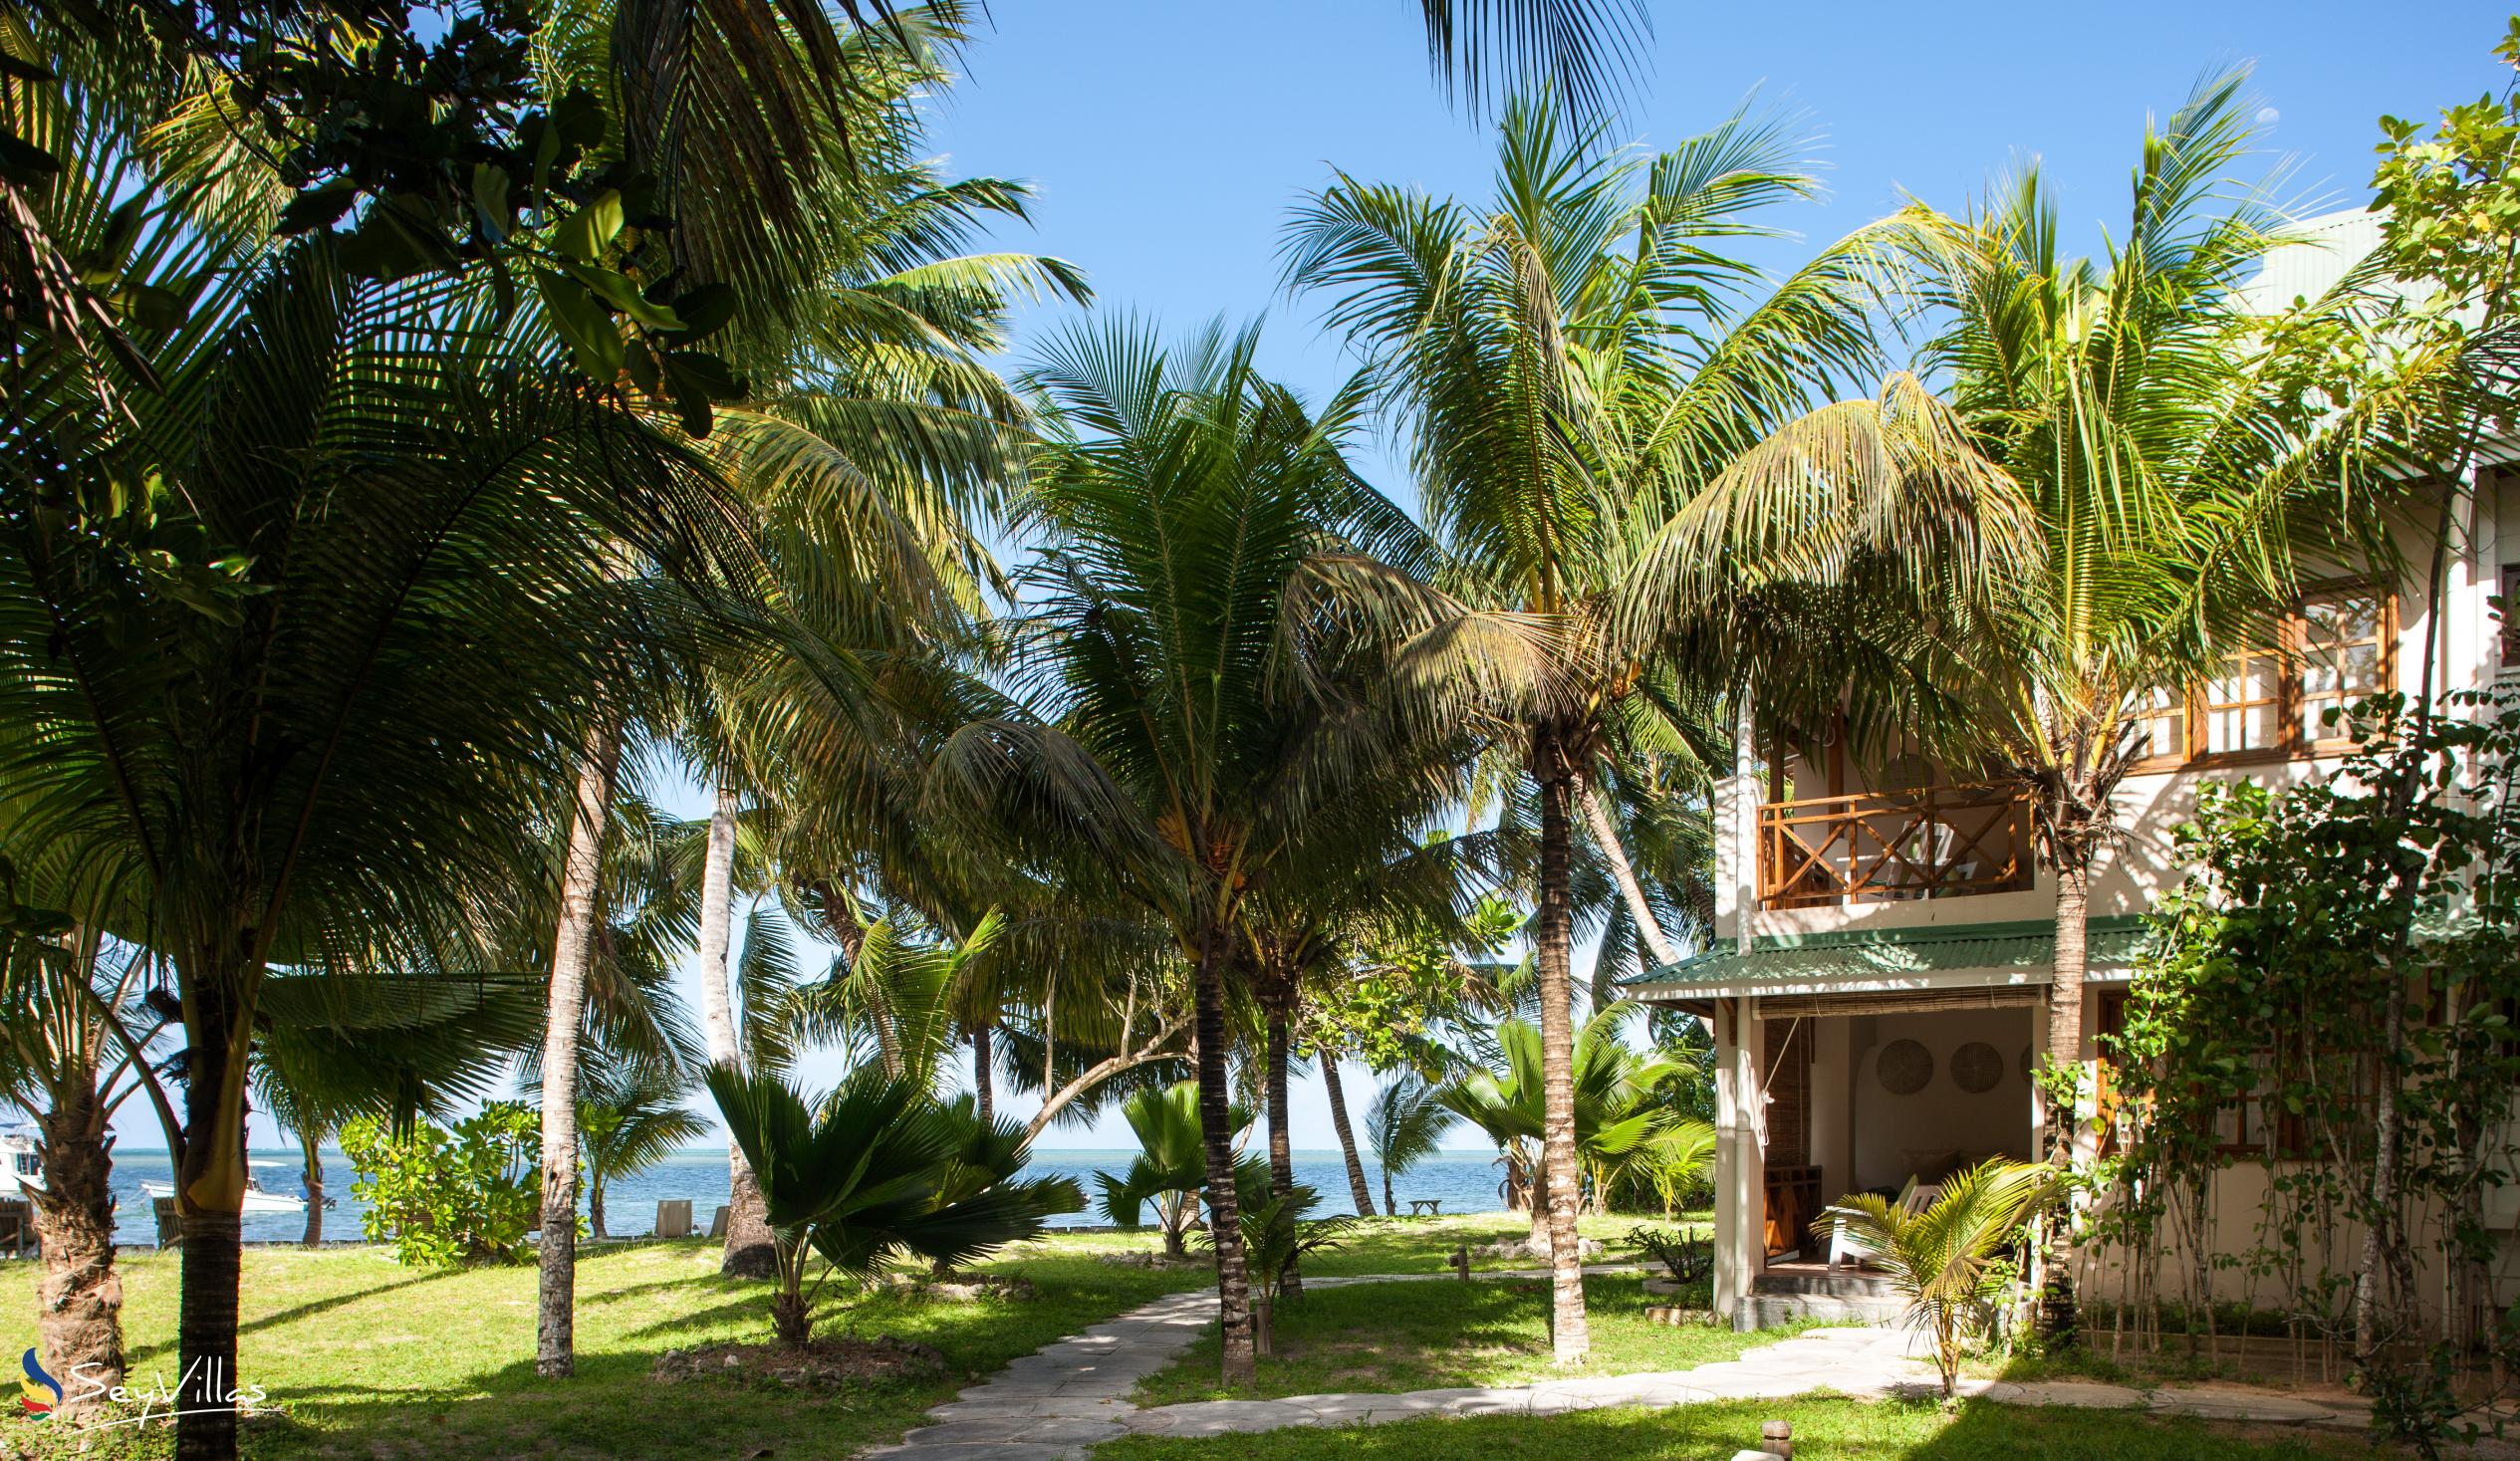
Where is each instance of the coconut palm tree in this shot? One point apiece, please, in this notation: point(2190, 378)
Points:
point(1576, 362)
point(440, 586)
point(1942, 1256)
point(1189, 735)
point(1405, 1125)
point(2154, 426)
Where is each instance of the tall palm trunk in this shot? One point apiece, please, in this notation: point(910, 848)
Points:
point(79, 1312)
point(1606, 837)
point(1280, 991)
point(2072, 856)
point(210, 1192)
point(310, 1150)
point(1216, 1139)
point(1554, 925)
point(752, 1250)
point(573, 949)
point(983, 1079)
point(1357, 1188)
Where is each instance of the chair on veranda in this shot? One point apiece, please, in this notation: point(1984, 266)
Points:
point(674, 1217)
point(1913, 1199)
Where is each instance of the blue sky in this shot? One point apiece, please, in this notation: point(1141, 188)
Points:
point(1166, 141)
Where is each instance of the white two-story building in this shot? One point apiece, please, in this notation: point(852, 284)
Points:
point(1876, 988)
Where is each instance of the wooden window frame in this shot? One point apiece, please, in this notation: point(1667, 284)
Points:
point(2291, 744)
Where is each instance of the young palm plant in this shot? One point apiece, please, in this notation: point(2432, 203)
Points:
point(1945, 1258)
point(1170, 1166)
point(1610, 1091)
point(1404, 1125)
point(631, 1116)
point(878, 1169)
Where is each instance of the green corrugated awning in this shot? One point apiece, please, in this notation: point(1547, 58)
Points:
point(1929, 957)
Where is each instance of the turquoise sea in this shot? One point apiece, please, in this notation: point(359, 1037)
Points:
point(1465, 1181)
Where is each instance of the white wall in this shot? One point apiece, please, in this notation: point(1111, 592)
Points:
point(1894, 1136)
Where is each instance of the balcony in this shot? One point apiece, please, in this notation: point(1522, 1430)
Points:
point(1894, 847)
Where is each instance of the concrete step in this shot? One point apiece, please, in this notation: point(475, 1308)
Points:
point(1762, 1311)
point(1846, 1283)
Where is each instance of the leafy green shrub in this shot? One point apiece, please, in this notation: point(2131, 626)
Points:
point(444, 1198)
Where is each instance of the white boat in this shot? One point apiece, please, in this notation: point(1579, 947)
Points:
point(258, 1199)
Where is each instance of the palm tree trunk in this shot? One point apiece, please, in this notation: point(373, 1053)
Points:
point(595, 1208)
point(2065, 1056)
point(1390, 1208)
point(1569, 1335)
point(1606, 837)
point(1357, 1188)
point(78, 1308)
point(751, 1248)
point(1281, 1140)
point(210, 1188)
point(1216, 1137)
point(312, 1148)
point(573, 949)
point(984, 1079)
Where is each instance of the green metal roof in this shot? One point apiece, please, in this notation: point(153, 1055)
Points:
point(1870, 956)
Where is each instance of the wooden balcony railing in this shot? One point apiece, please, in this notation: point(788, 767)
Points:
point(1889, 846)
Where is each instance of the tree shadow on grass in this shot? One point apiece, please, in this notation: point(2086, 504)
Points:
point(613, 1406)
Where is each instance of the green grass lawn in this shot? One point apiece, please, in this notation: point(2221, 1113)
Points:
point(363, 1359)
point(367, 1360)
point(1386, 1337)
point(1824, 1430)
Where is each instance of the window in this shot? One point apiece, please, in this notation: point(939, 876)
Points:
point(2510, 613)
point(2333, 650)
point(2242, 707)
point(2344, 659)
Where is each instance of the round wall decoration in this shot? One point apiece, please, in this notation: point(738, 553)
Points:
point(1976, 1068)
point(1905, 1067)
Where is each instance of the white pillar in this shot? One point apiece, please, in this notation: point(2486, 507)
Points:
point(1737, 834)
point(1740, 1165)
point(2038, 1096)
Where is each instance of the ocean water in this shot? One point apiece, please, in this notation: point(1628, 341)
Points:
point(1465, 1181)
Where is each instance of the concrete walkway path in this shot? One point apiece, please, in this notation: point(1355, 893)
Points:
point(1058, 1403)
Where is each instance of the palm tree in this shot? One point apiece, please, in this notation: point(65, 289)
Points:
point(2154, 426)
point(440, 587)
point(1171, 1165)
point(1612, 1090)
point(631, 1116)
point(335, 1045)
point(1405, 1125)
point(875, 1169)
point(1943, 1257)
point(1188, 735)
point(1577, 363)
point(77, 1035)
